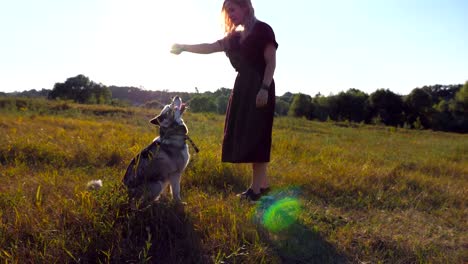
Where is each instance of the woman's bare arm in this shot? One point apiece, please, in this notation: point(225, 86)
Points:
point(270, 60)
point(204, 48)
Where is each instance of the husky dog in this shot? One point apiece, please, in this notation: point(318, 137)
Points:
point(164, 160)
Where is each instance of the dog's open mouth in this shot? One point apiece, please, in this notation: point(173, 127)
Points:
point(170, 113)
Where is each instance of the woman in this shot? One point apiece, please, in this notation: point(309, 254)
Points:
point(249, 116)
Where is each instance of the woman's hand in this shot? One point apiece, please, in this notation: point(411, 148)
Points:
point(262, 98)
point(177, 49)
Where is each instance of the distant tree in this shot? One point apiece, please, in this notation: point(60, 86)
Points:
point(81, 90)
point(417, 124)
point(32, 93)
point(61, 91)
point(301, 106)
point(461, 98)
point(44, 92)
point(203, 103)
point(332, 107)
point(102, 93)
point(222, 92)
point(287, 97)
point(419, 99)
point(221, 104)
point(322, 107)
point(418, 105)
point(443, 118)
point(387, 105)
point(440, 92)
point(281, 107)
point(351, 105)
point(459, 109)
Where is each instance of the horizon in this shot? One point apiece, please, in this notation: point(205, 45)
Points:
point(324, 48)
point(277, 94)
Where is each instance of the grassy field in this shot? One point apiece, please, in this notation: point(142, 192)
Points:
point(342, 193)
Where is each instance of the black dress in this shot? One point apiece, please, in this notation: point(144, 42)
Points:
point(247, 129)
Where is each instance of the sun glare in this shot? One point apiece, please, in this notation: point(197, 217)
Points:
point(134, 39)
point(132, 42)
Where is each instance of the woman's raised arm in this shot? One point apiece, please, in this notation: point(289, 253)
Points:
point(204, 48)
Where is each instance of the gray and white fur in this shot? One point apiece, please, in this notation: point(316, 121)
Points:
point(164, 160)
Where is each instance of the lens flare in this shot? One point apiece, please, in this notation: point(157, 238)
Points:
point(280, 210)
point(281, 214)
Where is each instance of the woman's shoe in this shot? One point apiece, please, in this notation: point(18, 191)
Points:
point(249, 194)
point(264, 191)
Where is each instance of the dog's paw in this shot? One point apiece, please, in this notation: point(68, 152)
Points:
point(179, 203)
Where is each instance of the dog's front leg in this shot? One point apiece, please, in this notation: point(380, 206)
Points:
point(175, 186)
point(154, 190)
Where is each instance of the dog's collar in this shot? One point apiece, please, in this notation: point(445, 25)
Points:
point(173, 142)
point(167, 137)
point(173, 135)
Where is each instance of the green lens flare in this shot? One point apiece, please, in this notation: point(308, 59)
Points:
point(281, 214)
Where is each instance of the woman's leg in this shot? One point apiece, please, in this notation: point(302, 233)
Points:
point(259, 179)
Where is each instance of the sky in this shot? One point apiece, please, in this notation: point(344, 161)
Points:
point(325, 46)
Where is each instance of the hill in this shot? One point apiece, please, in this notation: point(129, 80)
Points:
point(342, 192)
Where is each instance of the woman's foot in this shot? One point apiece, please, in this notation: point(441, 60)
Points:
point(249, 194)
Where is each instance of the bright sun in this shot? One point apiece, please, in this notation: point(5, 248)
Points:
point(132, 46)
point(134, 34)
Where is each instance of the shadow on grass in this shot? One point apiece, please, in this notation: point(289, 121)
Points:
point(278, 219)
point(163, 233)
point(299, 244)
point(159, 233)
point(225, 178)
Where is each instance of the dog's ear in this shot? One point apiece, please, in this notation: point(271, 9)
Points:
point(155, 121)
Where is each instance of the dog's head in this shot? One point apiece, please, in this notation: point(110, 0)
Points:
point(171, 114)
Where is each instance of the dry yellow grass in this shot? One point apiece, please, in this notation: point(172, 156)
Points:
point(367, 194)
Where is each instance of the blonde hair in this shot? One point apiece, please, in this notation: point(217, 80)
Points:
point(228, 25)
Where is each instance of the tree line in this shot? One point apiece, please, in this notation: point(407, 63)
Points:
point(437, 107)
